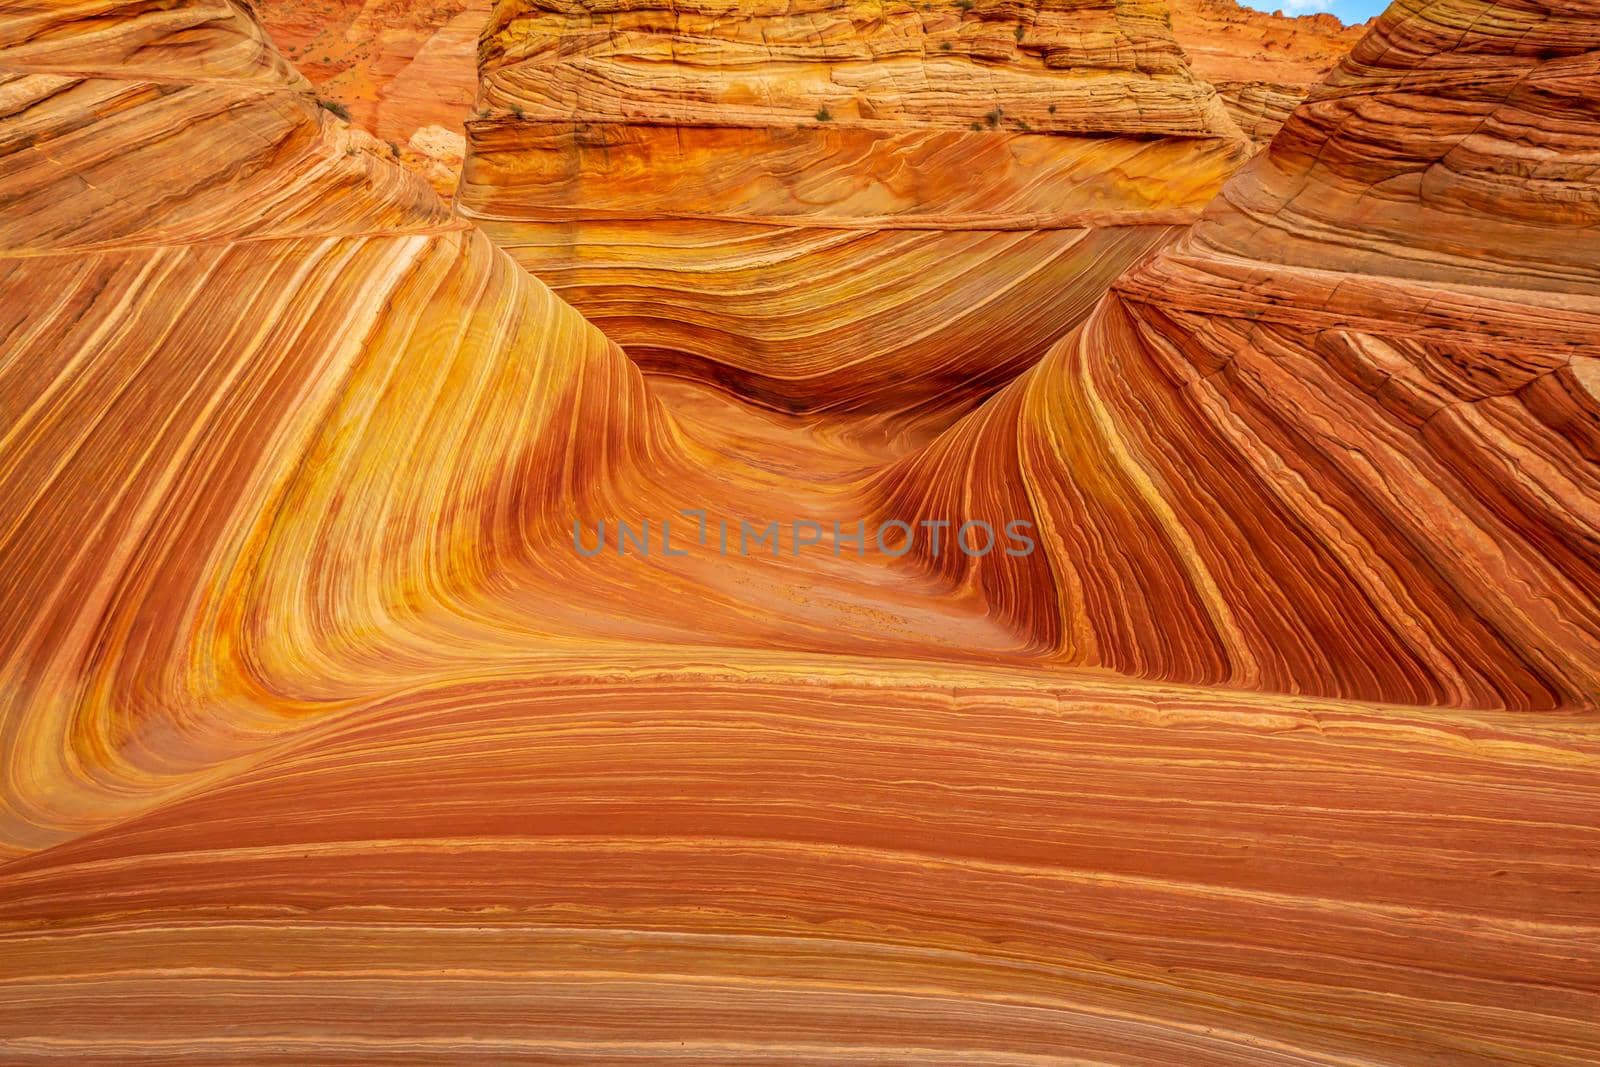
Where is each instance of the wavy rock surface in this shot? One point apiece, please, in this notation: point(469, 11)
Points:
point(791, 863)
point(1341, 438)
point(200, 377)
point(740, 195)
point(1260, 108)
point(319, 743)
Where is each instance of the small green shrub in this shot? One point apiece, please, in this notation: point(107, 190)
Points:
point(992, 119)
point(335, 107)
point(944, 46)
point(824, 115)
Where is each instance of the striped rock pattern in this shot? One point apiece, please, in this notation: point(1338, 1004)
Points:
point(833, 861)
point(1261, 64)
point(320, 744)
point(218, 364)
point(864, 207)
point(1341, 438)
point(1260, 108)
point(408, 71)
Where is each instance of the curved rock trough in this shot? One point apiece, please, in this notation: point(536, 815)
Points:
point(322, 742)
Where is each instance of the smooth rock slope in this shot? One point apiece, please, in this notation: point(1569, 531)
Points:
point(243, 356)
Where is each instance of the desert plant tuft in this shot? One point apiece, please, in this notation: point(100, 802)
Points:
point(335, 107)
point(992, 118)
point(944, 46)
point(824, 115)
point(1022, 31)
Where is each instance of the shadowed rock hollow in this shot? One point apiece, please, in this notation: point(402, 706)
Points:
point(869, 208)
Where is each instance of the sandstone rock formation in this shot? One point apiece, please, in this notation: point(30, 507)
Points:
point(223, 312)
point(404, 69)
point(320, 743)
point(1261, 64)
point(1229, 43)
point(398, 67)
point(851, 207)
point(1341, 438)
point(1260, 108)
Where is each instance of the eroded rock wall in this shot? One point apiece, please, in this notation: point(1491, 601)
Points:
point(859, 207)
point(1340, 438)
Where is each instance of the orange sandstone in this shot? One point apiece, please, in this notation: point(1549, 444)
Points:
point(852, 207)
point(319, 743)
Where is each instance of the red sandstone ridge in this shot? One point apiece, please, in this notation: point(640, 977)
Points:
point(859, 206)
point(1263, 64)
point(406, 72)
point(1342, 436)
point(1229, 42)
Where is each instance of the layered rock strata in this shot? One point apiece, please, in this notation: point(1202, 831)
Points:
point(1227, 42)
point(1261, 64)
point(1260, 108)
point(1341, 438)
point(408, 73)
point(242, 354)
point(851, 208)
point(321, 743)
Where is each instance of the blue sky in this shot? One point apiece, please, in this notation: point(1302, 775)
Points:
point(1348, 10)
